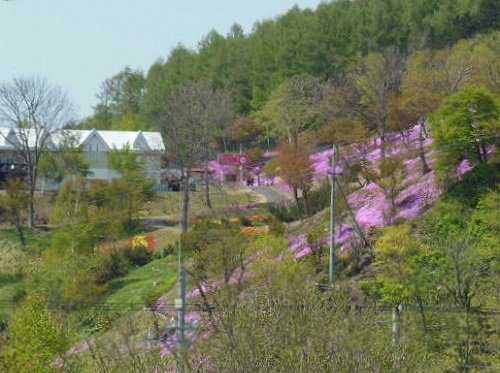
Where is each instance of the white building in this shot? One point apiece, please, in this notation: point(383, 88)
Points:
point(96, 145)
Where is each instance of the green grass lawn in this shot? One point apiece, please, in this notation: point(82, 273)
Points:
point(131, 288)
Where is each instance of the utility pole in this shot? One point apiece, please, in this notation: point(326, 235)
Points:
point(180, 301)
point(331, 263)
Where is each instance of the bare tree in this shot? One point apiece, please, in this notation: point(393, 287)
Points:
point(35, 110)
point(294, 105)
point(192, 116)
point(378, 78)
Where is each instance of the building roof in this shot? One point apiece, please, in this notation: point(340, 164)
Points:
point(78, 136)
point(119, 139)
point(155, 141)
point(4, 132)
point(136, 140)
point(18, 136)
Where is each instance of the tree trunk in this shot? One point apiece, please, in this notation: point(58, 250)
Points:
point(477, 148)
point(31, 211)
point(421, 153)
point(485, 151)
point(382, 146)
point(296, 198)
point(31, 202)
point(20, 231)
point(305, 194)
point(207, 188)
point(185, 202)
point(422, 315)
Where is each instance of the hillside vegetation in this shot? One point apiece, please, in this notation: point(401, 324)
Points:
point(403, 95)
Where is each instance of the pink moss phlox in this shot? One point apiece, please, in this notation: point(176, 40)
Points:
point(463, 168)
point(270, 154)
point(219, 169)
point(169, 344)
point(196, 292)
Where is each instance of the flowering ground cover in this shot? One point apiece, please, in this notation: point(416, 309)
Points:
point(369, 203)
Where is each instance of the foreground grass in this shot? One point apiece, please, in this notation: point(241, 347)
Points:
point(150, 280)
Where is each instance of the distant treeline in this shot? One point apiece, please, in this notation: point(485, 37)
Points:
point(327, 43)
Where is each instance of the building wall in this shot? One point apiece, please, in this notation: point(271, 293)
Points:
point(152, 166)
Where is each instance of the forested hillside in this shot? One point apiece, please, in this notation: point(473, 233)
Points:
point(330, 43)
point(376, 119)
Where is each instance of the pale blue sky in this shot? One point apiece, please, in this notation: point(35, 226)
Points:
point(79, 43)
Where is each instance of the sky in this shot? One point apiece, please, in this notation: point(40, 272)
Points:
point(77, 44)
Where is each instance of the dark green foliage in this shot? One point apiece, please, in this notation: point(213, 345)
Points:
point(464, 127)
point(150, 297)
point(275, 226)
point(12, 204)
point(138, 256)
point(320, 196)
point(284, 212)
point(325, 43)
point(112, 265)
point(474, 184)
point(66, 161)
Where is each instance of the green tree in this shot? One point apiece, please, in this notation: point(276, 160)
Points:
point(73, 230)
point(120, 101)
point(294, 106)
point(35, 339)
point(407, 268)
point(13, 203)
point(464, 126)
point(65, 160)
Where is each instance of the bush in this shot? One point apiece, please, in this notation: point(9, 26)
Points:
point(275, 226)
point(474, 184)
point(255, 154)
point(19, 295)
point(319, 198)
point(150, 297)
point(286, 212)
point(111, 265)
point(244, 221)
point(3, 322)
point(96, 320)
point(138, 255)
point(12, 260)
point(169, 250)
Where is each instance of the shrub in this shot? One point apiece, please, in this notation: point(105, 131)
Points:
point(320, 197)
point(12, 260)
point(111, 265)
point(255, 154)
point(286, 212)
point(150, 298)
point(275, 226)
point(19, 295)
point(138, 255)
point(96, 320)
